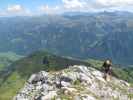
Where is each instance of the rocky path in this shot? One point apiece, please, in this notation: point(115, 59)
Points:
point(75, 83)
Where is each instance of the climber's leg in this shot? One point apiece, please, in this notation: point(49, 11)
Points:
point(107, 77)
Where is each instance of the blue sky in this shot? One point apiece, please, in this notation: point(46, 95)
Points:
point(35, 7)
point(29, 3)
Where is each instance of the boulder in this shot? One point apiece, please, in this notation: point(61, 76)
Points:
point(49, 96)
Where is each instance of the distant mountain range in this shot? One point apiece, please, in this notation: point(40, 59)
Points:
point(82, 35)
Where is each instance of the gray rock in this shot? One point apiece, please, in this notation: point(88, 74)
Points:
point(79, 82)
point(49, 96)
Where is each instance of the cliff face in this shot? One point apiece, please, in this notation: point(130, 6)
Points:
point(74, 83)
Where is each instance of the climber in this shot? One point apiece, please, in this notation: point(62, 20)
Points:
point(107, 68)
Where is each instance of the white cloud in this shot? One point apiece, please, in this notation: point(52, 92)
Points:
point(115, 3)
point(97, 5)
point(73, 4)
point(15, 8)
point(67, 5)
point(88, 6)
point(49, 10)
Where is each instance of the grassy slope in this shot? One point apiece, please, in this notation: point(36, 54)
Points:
point(11, 86)
point(7, 58)
point(23, 68)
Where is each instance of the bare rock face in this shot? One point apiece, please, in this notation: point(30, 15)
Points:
point(74, 83)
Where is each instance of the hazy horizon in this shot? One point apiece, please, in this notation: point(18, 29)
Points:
point(39, 7)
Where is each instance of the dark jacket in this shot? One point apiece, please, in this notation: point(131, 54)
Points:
point(107, 67)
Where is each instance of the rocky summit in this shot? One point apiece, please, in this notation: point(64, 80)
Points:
point(74, 83)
